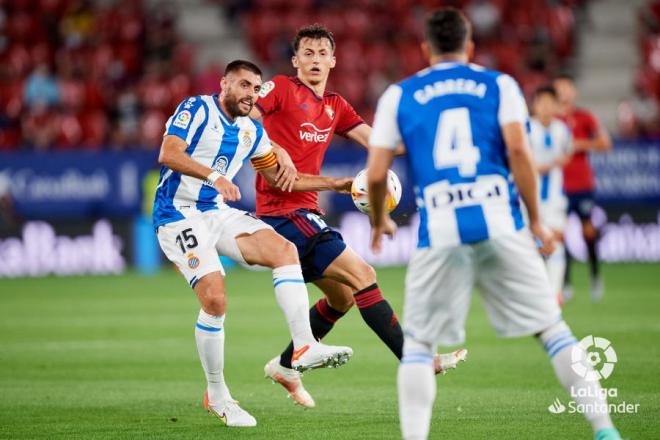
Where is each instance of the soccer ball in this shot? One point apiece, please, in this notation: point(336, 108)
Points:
point(360, 192)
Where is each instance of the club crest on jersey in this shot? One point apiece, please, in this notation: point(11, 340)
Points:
point(182, 120)
point(311, 133)
point(247, 140)
point(193, 261)
point(266, 88)
point(330, 112)
point(220, 165)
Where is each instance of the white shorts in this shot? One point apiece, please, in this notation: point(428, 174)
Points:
point(194, 243)
point(553, 216)
point(511, 277)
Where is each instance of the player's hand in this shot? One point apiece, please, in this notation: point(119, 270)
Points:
point(287, 174)
point(229, 191)
point(343, 185)
point(385, 227)
point(544, 237)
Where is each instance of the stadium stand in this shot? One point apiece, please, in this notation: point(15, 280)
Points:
point(639, 116)
point(80, 74)
point(379, 41)
point(90, 75)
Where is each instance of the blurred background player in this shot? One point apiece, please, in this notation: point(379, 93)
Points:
point(471, 229)
point(301, 117)
point(579, 183)
point(206, 141)
point(551, 143)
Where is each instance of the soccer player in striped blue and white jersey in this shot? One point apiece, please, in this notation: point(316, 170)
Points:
point(206, 141)
point(463, 128)
point(552, 144)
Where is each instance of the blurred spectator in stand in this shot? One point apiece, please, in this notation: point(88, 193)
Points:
point(41, 88)
point(77, 23)
point(639, 116)
point(39, 126)
point(485, 18)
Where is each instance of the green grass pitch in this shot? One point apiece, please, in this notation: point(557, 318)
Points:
point(114, 357)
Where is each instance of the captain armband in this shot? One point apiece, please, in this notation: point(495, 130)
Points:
point(264, 162)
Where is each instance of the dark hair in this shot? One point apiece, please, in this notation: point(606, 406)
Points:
point(545, 90)
point(314, 31)
point(237, 65)
point(447, 30)
point(565, 76)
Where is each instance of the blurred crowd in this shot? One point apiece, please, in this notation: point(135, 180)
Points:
point(82, 74)
point(639, 116)
point(107, 73)
point(378, 42)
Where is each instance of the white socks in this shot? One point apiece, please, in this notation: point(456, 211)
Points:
point(558, 341)
point(417, 388)
point(291, 295)
point(210, 338)
point(556, 265)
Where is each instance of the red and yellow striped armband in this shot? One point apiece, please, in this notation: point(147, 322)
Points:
point(264, 162)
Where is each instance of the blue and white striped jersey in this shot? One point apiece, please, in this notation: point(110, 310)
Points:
point(213, 140)
point(449, 117)
point(549, 144)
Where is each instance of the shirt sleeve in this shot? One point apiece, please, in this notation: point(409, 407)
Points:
point(385, 132)
point(188, 117)
point(348, 118)
point(271, 95)
point(263, 144)
point(513, 107)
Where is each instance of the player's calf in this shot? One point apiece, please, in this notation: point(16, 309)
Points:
point(559, 342)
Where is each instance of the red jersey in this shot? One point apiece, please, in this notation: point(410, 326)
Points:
point(303, 124)
point(578, 176)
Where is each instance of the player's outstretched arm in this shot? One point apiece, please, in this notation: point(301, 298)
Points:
point(524, 174)
point(268, 167)
point(361, 133)
point(173, 156)
point(601, 142)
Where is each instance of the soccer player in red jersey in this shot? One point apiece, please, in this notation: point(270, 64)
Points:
point(579, 183)
point(301, 116)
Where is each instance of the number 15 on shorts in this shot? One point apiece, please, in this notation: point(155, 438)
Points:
point(186, 240)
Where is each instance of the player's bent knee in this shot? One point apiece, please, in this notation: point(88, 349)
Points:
point(365, 274)
point(284, 253)
point(212, 298)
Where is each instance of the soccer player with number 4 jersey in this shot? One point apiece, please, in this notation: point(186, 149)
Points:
point(301, 117)
point(463, 128)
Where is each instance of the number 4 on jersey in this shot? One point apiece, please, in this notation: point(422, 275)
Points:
point(453, 143)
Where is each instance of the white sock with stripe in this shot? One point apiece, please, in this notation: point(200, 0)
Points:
point(291, 295)
point(417, 388)
point(559, 341)
point(210, 338)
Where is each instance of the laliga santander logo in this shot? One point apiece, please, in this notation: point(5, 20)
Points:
point(594, 351)
point(317, 135)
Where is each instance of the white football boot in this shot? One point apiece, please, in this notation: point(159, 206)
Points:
point(319, 355)
point(442, 362)
point(230, 413)
point(290, 379)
